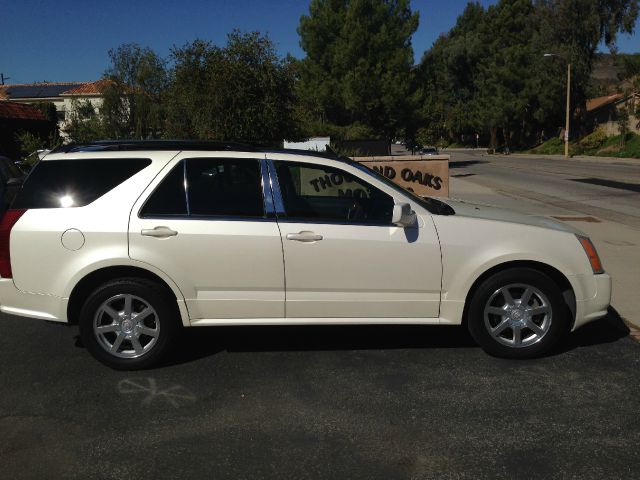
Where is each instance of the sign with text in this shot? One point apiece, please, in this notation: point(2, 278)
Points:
point(318, 182)
point(426, 176)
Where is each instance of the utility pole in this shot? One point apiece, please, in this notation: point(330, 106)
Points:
point(3, 78)
point(566, 128)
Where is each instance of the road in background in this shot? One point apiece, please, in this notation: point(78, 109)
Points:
point(599, 196)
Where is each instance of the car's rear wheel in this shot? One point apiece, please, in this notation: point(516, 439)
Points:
point(518, 313)
point(128, 323)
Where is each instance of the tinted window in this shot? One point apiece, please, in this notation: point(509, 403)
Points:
point(322, 193)
point(224, 187)
point(9, 172)
point(9, 169)
point(215, 187)
point(74, 183)
point(169, 197)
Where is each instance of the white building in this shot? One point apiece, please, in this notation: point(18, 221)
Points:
point(317, 144)
point(61, 94)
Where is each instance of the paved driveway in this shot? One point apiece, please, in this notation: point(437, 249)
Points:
point(311, 402)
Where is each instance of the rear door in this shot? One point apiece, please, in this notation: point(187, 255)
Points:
point(205, 225)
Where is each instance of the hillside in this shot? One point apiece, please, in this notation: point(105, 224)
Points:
point(613, 72)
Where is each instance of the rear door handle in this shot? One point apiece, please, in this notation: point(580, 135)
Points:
point(159, 232)
point(304, 237)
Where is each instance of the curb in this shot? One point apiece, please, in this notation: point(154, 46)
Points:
point(634, 333)
point(576, 158)
point(582, 158)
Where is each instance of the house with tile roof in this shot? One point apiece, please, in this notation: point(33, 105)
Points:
point(16, 118)
point(64, 95)
point(602, 112)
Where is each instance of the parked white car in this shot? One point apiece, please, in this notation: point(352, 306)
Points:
point(132, 241)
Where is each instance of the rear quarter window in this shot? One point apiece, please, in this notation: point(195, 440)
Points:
point(74, 183)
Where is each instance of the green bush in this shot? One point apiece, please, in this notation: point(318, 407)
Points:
point(594, 140)
point(30, 143)
point(596, 143)
point(553, 146)
point(612, 147)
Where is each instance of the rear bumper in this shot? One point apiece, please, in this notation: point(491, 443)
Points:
point(43, 307)
point(596, 299)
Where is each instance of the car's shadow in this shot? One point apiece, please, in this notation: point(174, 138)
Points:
point(606, 330)
point(196, 343)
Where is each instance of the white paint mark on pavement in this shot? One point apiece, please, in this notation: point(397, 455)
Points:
point(175, 395)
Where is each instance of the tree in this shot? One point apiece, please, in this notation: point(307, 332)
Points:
point(489, 73)
point(630, 64)
point(623, 124)
point(504, 94)
point(448, 74)
point(574, 29)
point(84, 123)
point(132, 104)
point(241, 92)
point(133, 99)
point(358, 68)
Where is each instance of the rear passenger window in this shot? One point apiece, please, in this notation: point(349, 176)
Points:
point(224, 187)
point(75, 183)
point(169, 198)
point(209, 187)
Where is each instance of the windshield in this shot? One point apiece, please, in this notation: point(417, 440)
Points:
point(431, 204)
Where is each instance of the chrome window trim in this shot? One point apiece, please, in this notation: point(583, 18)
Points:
point(186, 185)
point(275, 189)
point(267, 193)
point(209, 218)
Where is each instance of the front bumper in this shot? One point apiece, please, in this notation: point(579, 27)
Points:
point(595, 300)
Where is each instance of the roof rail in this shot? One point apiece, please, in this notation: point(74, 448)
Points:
point(204, 145)
point(132, 145)
point(329, 154)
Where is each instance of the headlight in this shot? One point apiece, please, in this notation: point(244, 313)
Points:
point(592, 254)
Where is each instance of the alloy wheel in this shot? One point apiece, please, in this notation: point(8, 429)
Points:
point(126, 326)
point(518, 315)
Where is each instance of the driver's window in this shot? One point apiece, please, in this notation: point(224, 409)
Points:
point(325, 194)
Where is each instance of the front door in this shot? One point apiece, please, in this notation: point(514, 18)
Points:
point(204, 225)
point(343, 257)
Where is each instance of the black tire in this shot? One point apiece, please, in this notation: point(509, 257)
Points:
point(144, 342)
point(538, 333)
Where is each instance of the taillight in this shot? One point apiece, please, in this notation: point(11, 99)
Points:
point(8, 221)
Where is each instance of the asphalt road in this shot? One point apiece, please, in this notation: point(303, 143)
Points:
point(320, 402)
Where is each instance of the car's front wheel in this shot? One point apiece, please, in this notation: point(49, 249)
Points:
point(518, 313)
point(128, 323)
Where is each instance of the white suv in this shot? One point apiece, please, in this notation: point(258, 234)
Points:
point(134, 240)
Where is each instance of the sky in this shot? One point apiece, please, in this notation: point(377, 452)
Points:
point(68, 40)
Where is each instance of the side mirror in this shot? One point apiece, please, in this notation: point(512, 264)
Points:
point(403, 216)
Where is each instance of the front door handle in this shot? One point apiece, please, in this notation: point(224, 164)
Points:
point(159, 232)
point(304, 237)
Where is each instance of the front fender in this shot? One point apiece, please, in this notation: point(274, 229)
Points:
point(470, 247)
